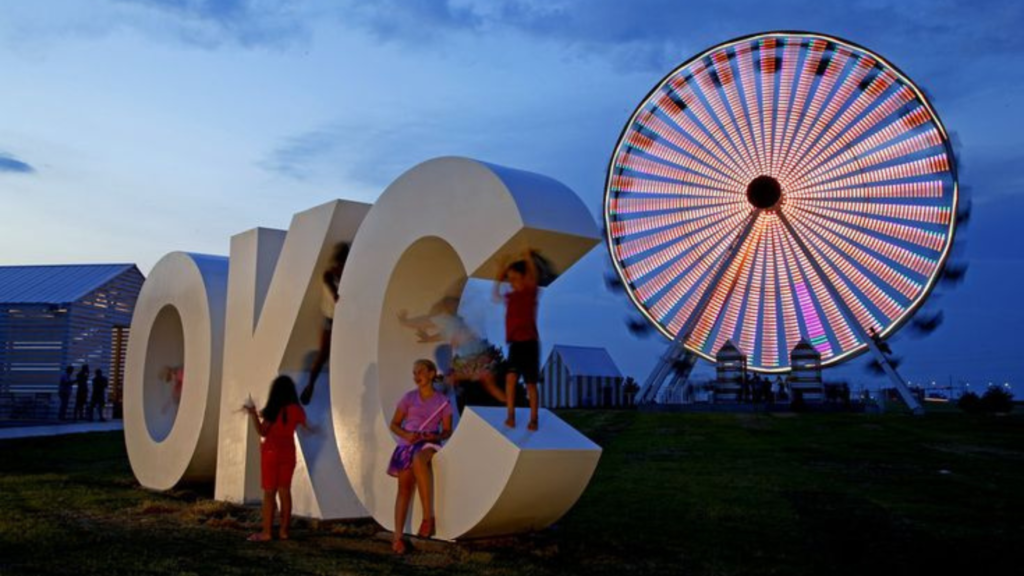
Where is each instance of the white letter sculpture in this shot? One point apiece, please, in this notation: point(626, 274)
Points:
point(179, 315)
point(438, 223)
point(273, 322)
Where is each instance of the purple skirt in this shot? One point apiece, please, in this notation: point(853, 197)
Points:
point(401, 458)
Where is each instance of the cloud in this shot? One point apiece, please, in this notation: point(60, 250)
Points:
point(249, 23)
point(12, 165)
point(657, 34)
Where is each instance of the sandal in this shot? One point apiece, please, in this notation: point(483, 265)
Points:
point(532, 426)
point(427, 528)
point(398, 547)
point(258, 537)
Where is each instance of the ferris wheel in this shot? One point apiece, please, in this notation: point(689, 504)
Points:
point(777, 188)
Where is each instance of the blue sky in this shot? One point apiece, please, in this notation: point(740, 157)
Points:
point(131, 128)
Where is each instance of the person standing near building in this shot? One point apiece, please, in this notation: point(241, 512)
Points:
point(99, 395)
point(82, 391)
point(67, 380)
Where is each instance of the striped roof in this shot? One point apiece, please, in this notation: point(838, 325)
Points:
point(57, 284)
point(587, 361)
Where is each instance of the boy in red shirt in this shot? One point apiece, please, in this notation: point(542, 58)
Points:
point(521, 333)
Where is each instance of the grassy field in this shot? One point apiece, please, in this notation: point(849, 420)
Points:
point(674, 493)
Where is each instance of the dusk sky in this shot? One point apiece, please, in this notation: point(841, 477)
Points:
point(132, 128)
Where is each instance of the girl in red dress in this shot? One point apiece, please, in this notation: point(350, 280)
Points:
point(276, 424)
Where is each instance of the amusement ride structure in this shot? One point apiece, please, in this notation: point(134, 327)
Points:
point(776, 188)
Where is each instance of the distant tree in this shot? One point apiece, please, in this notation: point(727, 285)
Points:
point(994, 400)
point(997, 399)
point(969, 402)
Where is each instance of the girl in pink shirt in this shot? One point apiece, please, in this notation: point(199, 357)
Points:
point(422, 420)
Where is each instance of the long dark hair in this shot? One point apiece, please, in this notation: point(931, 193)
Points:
point(282, 394)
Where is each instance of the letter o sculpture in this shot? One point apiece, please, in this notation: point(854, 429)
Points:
point(178, 320)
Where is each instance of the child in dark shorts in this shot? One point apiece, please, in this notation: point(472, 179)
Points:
point(521, 334)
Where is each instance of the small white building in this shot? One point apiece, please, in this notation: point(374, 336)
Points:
point(579, 376)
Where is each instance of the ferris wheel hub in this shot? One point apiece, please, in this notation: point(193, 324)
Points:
point(764, 192)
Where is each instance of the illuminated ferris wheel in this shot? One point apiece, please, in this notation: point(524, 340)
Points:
point(780, 187)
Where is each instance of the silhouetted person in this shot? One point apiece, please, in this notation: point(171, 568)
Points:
point(67, 381)
point(82, 391)
point(99, 395)
point(328, 301)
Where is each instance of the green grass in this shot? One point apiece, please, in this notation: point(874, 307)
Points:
point(674, 493)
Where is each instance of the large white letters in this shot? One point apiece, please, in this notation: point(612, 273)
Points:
point(179, 319)
point(273, 324)
point(438, 223)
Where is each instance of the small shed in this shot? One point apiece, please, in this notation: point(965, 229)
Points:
point(57, 316)
point(730, 373)
point(578, 376)
point(805, 377)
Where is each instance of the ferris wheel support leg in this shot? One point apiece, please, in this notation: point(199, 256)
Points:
point(676, 352)
point(908, 397)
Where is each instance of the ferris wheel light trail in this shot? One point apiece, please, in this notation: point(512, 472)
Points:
point(842, 161)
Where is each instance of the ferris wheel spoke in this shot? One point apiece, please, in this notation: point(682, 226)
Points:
point(645, 167)
point(652, 146)
point(684, 94)
point(683, 258)
point(768, 62)
point(849, 259)
point(904, 150)
point(908, 259)
point(769, 336)
point(630, 206)
point(728, 83)
point(694, 142)
point(879, 176)
point(708, 83)
point(891, 230)
point(791, 102)
point(643, 254)
point(697, 276)
point(722, 289)
point(819, 83)
point(787, 299)
point(735, 299)
point(747, 334)
point(853, 286)
point(669, 221)
point(882, 129)
point(745, 64)
point(850, 98)
point(827, 329)
point(887, 110)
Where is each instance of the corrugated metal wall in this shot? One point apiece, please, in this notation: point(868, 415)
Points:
point(561, 390)
point(39, 340)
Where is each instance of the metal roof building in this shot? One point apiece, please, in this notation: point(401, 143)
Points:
point(55, 316)
point(579, 376)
